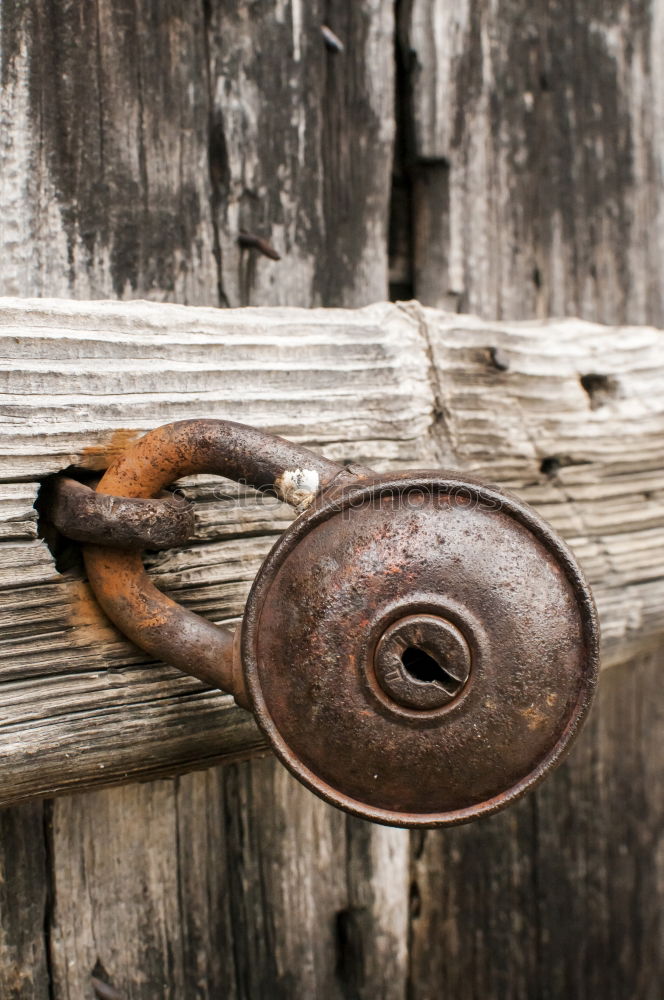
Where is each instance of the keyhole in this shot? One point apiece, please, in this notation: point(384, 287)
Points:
point(425, 669)
point(422, 662)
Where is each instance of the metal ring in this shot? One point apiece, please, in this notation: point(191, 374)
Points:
point(149, 618)
point(79, 512)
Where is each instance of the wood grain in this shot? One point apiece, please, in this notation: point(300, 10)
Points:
point(308, 169)
point(24, 903)
point(535, 157)
point(569, 417)
point(220, 896)
point(104, 182)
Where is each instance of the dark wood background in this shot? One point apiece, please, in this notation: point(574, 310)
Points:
point(504, 158)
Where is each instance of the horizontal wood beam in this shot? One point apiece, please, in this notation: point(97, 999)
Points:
point(567, 413)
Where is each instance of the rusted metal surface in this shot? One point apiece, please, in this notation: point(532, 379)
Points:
point(419, 650)
point(104, 991)
point(250, 241)
point(332, 41)
point(81, 513)
point(441, 566)
point(149, 618)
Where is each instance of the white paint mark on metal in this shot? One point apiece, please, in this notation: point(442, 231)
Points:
point(298, 487)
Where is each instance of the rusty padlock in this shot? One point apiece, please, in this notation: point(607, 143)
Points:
point(419, 649)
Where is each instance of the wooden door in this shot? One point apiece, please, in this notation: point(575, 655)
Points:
point(499, 159)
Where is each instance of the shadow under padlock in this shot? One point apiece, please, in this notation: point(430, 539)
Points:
point(419, 649)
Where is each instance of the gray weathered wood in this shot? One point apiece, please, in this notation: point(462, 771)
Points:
point(210, 901)
point(308, 168)
point(536, 157)
point(23, 903)
point(140, 140)
point(566, 413)
point(104, 181)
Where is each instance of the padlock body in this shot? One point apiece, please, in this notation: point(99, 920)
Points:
point(420, 650)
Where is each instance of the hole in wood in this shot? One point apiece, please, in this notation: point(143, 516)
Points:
point(66, 554)
point(551, 465)
point(599, 388)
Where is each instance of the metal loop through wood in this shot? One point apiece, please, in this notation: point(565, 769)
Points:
point(157, 624)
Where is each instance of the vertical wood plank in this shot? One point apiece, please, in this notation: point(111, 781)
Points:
point(105, 187)
point(474, 912)
point(547, 118)
point(285, 878)
point(301, 149)
point(372, 931)
point(115, 890)
point(600, 845)
point(227, 880)
point(24, 973)
point(236, 880)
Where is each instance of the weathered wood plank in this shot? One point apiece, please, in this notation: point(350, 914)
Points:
point(308, 169)
point(23, 903)
point(220, 894)
point(129, 934)
point(373, 929)
point(545, 409)
point(335, 363)
point(536, 157)
point(104, 182)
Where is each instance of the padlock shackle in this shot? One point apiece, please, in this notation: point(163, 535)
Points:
point(153, 621)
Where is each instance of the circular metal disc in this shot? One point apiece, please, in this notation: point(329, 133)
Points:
point(434, 567)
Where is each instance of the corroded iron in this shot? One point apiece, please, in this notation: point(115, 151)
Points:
point(468, 576)
point(149, 618)
point(419, 650)
point(81, 513)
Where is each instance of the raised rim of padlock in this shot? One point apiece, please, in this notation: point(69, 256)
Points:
point(326, 508)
